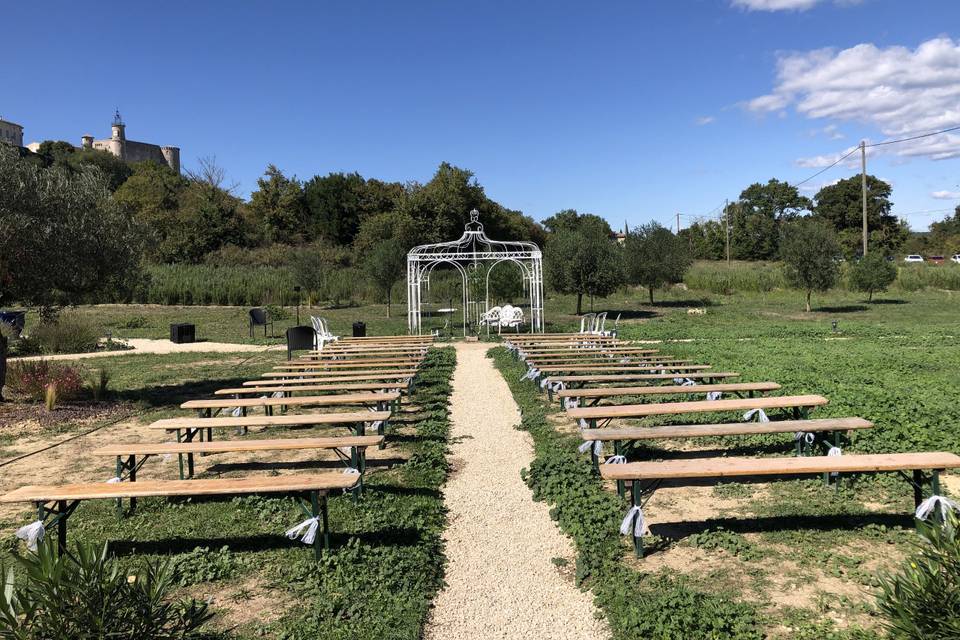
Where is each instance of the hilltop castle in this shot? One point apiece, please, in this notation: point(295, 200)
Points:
point(127, 150)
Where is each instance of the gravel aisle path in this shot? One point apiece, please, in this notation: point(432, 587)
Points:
point(501, 582)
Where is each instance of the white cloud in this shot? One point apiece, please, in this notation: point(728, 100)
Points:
point(775, 5)
point(703, 120)
point(900, 91)
point(946, 195)
point(785, 5)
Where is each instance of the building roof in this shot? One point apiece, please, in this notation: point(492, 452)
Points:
point(8, 122)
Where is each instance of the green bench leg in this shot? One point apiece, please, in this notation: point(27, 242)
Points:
point(635, 501)
point(618, 451)
point(318, 507)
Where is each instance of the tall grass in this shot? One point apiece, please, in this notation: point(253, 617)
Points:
point(720, 278)
point(928, 276)
point(215, 285)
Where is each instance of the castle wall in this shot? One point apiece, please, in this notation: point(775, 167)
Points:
point(11, 133)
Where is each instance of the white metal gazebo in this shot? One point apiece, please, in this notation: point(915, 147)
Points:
point(466, 255)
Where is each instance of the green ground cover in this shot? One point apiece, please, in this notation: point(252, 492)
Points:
point(387, 561)
point(892, 363)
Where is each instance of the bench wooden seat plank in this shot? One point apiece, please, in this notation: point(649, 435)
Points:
point(700, 406)
point(309, 380)
point(733, 467)
point(236, 446)
point(343, 365)
point(342, 373)
point(725, 429)
point(606, 392)
point(622, 368)
point(300, 419)
point(313, 388)
point(626, 377)
point(331, 399)
point(182, 488)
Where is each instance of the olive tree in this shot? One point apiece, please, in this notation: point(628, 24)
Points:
point(874, 273)
point(63, 239)
point(583, 262)
point(654, 256)
point(810, 253)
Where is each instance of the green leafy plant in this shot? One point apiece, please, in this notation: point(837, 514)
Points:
point(86, 595)
point(810, 251)
point(98, 382)
point(872, 274)
point(69, 333)
point(922, 600)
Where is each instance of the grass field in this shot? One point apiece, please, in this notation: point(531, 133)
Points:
point(787, 560)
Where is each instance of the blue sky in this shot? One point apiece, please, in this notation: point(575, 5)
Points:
point(631, 110)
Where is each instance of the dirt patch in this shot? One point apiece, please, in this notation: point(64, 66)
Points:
point(26, 419)
point(247, 603)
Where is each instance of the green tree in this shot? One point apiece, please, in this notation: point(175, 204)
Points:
point(207, 219)
point(810, 253)
point(278, 206)
point(337, 203)
point(872, 274)
point(705, 240)
point(384, 264)
point(63, 239)
point(317, 269)
point(152, 196)
point(583, 263)
point(757, 216)
point(841, 206)
point(945, 234)
point(654, 257)
point(571, 220)
point(116, 170)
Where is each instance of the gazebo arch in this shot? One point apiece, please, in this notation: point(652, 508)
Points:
point(465, 255)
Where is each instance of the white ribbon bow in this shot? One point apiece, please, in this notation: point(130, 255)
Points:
point(559, 386)
point(347, 451)
point(806, 436)
point(687, 382)
point(714, 395)
point(596, 445)
point(277, 394)
point(236, 412)
point(570, 403)
point(834, 452)
point(634, 517)
point(32, 534)
point(531, 373)
point(113, 480)
point(624, 360)
point(351, 471)
point(544, 383)
point(761, 415)
point(617, 459)
point(678, 380)
point(308, 527)
point(925, 509)
point(583, 424)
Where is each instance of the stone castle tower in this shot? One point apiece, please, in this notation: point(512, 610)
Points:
point(130, 150)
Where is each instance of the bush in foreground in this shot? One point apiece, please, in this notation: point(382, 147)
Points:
point(33, 377)
point(87, 595)
point(923, 599)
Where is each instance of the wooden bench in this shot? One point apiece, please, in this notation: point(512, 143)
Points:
point(312, 388)
point(128, 465)
point(343, 374)
point(558, 383)
point(598, 393)
point(206, 407)
point(654, 473)
point(56, 503)
point(829, 429)
point(346, 364)
point(187, 429)
point(311, 379)
point(799, 404)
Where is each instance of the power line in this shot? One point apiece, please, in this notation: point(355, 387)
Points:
point(922, 135)
point(827, 168)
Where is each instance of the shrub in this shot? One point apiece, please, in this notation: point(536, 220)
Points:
point(720, 278)
point(87, 595)
point(70, 333)
point(99, 380)
point(914, 277)
point(874, 273)
point(923, 599)
point(809, 251)
point(32, 378)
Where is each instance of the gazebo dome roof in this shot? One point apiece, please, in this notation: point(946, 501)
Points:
point(475, 245)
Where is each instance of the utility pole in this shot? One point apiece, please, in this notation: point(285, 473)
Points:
point(678, 222)
point(726, 214)
point(863, 188)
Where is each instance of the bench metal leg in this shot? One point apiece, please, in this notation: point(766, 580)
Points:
point(618, 451)
point(635, 500)
point(58, 514)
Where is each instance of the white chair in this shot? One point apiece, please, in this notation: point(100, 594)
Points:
point(511, 317)
point(598, 323)
point(586, 322)
point(491, 317)
point(321, 333)
point(616, 325)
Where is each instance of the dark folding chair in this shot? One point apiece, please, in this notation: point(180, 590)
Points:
point(260, 317)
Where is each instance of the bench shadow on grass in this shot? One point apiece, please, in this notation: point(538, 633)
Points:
point(298, 465)
point(672, 532)
point(844, 308)
point(172, 395)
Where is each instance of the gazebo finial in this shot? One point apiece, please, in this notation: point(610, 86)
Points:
point(474, 216)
